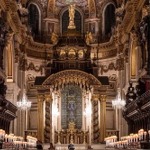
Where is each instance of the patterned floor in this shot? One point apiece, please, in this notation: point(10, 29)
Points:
point(77, 147)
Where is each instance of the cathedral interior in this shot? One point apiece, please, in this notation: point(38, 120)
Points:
point(75, 71)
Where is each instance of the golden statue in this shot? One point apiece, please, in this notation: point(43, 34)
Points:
point(71, 16)
point(88, 38)
point(54, 38)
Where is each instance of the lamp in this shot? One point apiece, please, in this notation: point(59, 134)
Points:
point(87, 111)
point(118, 103)
point(24, 104)
point(55, 112)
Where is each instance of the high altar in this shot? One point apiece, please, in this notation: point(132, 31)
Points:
point(76, 97)
point(71, 56)
point(71, 135)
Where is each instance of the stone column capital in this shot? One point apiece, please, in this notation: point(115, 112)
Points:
point(95, 97)
point(103, 98)
point(40, 98)
point(48, 97)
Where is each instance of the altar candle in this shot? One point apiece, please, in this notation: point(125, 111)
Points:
point(6, 137)
point(145, 133)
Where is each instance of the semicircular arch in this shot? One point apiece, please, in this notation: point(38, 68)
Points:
point(78, 77)
point(78, 10)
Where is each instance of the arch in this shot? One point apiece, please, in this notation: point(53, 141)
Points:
point(40, 14)
point(76, 9)
point(91, 89)
point(103, 16)
point(81, 78)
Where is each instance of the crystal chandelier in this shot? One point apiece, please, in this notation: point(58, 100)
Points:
point(118, 103)
point(24, 104)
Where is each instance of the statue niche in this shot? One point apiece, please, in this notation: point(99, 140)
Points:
point(66, 20)
point(71, 16)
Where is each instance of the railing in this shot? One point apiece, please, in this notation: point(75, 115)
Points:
point(78, 137)
point(112, 132)
point(31, 133)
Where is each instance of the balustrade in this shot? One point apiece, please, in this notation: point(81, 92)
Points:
point(112, 133)
point(77, 137)
point(32, 133)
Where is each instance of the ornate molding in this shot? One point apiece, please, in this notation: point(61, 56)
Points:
point(38, 50)
point(107, 54)
point(72, 76)
point(31, 66)
point(48, 97)
point(35, 49)
point(92, 8)
point(44, 3)
point(95, 97)
point(103, 98)
point(40, 98)
point(22, 62)
point(118, 65)
point(131, 9)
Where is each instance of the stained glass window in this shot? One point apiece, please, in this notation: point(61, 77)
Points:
point(71, 106)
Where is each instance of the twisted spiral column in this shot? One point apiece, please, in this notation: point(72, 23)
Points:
point(102, 118)
point(40, 118)
point(48, 118)
point(95, 122)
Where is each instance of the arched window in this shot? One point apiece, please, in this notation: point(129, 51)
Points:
point(34, 19)
point(65, 21)
point(3, 32)
point(109, 20)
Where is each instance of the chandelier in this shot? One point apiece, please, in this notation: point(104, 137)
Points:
point(118, 103)
point(24, 104)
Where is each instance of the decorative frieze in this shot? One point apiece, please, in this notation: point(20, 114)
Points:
point(107, 54)
point(36, 68)
point(81, 78)
point(129, 18)
point(117, 66)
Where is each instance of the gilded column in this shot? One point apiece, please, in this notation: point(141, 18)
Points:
point(48, 119)
point(102, 117)
point(95, 120)
point(40, 132)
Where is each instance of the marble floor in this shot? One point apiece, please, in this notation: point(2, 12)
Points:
point(77, 147)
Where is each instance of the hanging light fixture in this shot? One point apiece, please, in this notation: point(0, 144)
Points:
point(118, 103)
point(24, 104)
